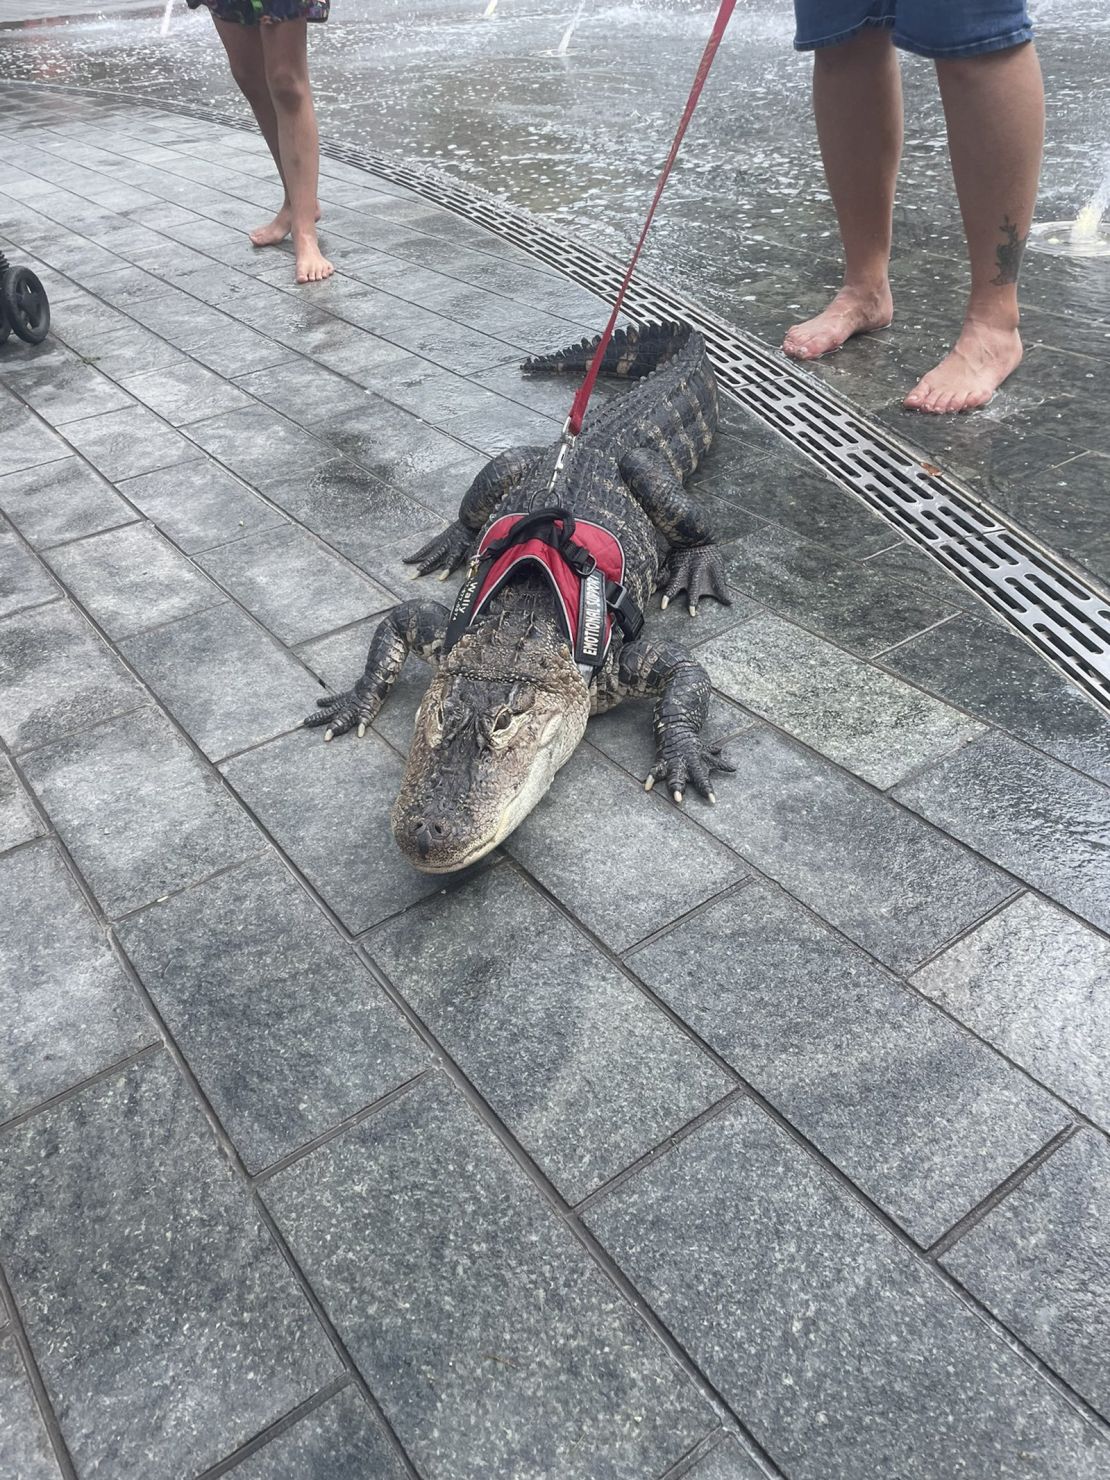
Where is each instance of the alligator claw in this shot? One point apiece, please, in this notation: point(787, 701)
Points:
point(688, 759)
point(699, 571)
point(445, 553)
point(342, 712)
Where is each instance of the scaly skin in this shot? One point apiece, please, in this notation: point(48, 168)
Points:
point(507, 705)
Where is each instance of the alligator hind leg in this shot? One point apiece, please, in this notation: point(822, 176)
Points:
point(682, 690)
point(500, 476)
point(413, 627)
point(694, 564)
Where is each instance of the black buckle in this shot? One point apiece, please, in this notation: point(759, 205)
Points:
point(627, 615)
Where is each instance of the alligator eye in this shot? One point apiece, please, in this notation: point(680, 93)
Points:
point(503, 721)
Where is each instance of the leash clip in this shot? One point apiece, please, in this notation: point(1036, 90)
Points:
point(566, 440)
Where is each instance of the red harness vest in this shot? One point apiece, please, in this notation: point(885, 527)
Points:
point(583, 563)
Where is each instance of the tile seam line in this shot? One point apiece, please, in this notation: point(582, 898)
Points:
point(550, 1195)
point(279, 1426)
point(983, 1210)
point(40, 1395)
point(109, 1071)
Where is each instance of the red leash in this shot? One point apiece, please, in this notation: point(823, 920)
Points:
point(585, 390)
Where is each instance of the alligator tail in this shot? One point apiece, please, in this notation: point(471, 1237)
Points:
point(632, 353)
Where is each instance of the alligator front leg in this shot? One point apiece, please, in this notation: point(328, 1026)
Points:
point(694, 564)
point(682, 691)
point(413, 627)
point(500, 476)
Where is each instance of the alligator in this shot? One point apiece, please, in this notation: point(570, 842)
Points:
point(516, 676)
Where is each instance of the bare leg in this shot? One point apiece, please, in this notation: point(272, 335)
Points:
point(994, 109)
point(285, 53)
point(857, 101)
point(243, 45)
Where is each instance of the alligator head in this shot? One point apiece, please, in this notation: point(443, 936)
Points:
point(505, 709)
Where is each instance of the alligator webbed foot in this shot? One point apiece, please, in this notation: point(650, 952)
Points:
point(699, 571)
point(341, 712)
point(687, 758)
point(445, 553)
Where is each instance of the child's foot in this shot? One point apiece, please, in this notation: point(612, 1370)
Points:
point(278, 229)
point(852, 311)
point(312, 265)
point(970, 373)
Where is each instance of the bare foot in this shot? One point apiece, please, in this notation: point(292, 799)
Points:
point(852, 311)
point(312, 265)
point(276, 230)
point(969, 375)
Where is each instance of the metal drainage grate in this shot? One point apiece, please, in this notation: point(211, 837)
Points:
point(1064, 616)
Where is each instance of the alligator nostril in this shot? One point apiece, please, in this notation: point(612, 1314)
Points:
point(426, 833)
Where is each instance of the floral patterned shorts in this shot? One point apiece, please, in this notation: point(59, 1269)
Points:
point(251, 12)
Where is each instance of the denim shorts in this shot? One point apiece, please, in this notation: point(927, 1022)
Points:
point(931, 28)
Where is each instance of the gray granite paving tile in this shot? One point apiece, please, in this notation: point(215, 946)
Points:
point(857, 605)
point(137, 810)
point(897, 888)
point(69, 391)
point(293, 585)
point(634, 864)
point(19, 822)
point(68, 1005)
point(355, 353)
point(57, 676)
point(842, 1352)
point(260, 445)
point(402, 450)
point(199, 504)
point(726, 1461)
point(584, 1071)
point(61, 501)
point(122, 444)
point(872, 724)
point(1002, 680)
point(281, 1023)
point(25, 1451)
point(128, 350)
point(328, 807)
point(23, 581)
point(25, 440)
point(1027, 813)
point(340, 1440)
point(918, 1113)
point(1041, 1262)
point(1032, 981)
point(184, 393)
point(186, 1334)
point(130, 579)
point(787, 490)
point(492, 1342)
point(303, 390)
point(372, 524)
point(233, 349)
point(222, 678)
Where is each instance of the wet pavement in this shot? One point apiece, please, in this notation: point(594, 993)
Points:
point(747, 228)
point(767, 1139)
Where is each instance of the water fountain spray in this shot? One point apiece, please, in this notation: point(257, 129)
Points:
point(166, 18)
point(564, 45)
point(1086, 236)
point(489, 10)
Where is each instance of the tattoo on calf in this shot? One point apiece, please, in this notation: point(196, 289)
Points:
point(1009, 254)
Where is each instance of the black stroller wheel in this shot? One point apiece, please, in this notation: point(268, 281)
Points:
point(24, 304)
